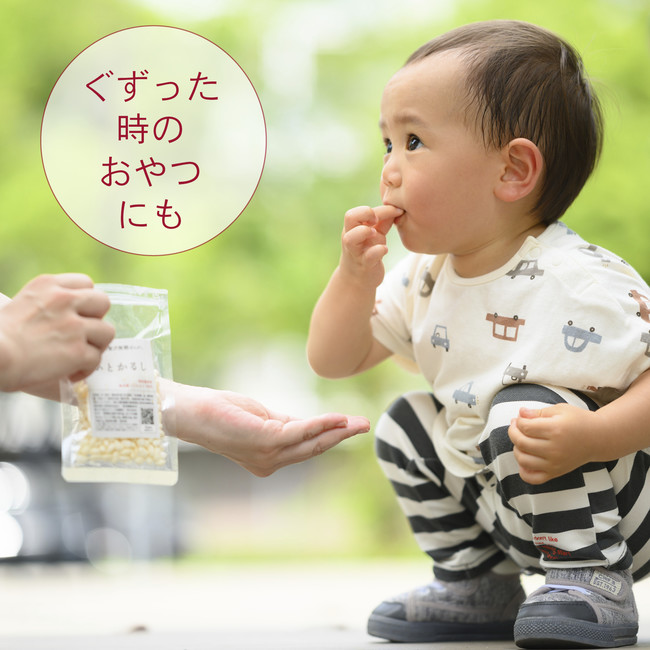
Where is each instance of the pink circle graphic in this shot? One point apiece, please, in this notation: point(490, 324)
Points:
point(153, 140)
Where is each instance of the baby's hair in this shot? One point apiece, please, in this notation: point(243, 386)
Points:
point(524, 81)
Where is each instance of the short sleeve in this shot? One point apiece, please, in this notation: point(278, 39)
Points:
point(392, 319)
point(620, 303)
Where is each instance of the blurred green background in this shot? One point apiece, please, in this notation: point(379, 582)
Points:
point(240, 304)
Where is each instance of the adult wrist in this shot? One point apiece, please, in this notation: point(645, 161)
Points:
point(6, 364)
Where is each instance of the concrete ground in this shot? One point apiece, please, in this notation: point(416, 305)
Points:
point(306, 606)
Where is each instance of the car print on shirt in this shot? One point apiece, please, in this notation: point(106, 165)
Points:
point(464, 394)
point(526, 267)
point(576, 338)
point(439, 337)
point(513, 374)
point(644, 304)
point(594, 251)
point(505, 328)
point(426, 288)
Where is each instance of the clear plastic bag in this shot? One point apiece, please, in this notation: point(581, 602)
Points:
point(118, 422)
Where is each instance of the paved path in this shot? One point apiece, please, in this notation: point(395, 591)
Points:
point(318, 606)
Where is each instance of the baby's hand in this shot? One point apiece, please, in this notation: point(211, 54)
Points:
point(364, 241)
point(552, 441)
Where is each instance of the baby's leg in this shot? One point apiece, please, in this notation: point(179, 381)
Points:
point(477, 591)
point(441, 508)
point(573, 518)
point(573, 525)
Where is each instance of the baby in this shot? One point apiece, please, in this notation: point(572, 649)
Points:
point(529, 452)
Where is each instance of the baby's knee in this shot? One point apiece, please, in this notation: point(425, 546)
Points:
point(407, 420)
point(495, 440)
point(410, 412)
point(404, 437)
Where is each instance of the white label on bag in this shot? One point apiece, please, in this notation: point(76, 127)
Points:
point(122, 398)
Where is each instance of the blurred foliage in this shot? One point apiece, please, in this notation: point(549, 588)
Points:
point(319, 67)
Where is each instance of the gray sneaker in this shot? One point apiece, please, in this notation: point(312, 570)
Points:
point(479, 609)
point(579, 608)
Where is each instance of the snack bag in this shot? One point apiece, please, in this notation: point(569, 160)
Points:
point(117, 422)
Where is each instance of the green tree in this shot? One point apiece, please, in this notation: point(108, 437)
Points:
point(319, 69)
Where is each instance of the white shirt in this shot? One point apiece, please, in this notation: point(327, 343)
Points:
point(561, 312)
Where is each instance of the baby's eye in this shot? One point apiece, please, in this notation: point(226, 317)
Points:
point(388, 145)
point(413, 142)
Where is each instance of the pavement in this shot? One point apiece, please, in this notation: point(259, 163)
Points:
point(225, 606)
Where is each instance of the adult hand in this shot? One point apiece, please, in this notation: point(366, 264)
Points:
point(52, 329)
point(259, 439)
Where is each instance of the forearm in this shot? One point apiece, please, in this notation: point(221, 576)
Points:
point(5, 362)
point(623, 425)
point(189, 415)
point(198, 415)
point(555, 440)
point(240, 428)
point(340, 335)
point(50, 390)
point(5, 349)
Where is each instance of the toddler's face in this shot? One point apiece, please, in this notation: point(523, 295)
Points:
point(436, 167)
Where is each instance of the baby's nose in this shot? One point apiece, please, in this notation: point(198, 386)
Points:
point(390, 175)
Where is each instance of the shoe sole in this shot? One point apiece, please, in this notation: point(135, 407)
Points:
point(393, 629)
point(544, 632)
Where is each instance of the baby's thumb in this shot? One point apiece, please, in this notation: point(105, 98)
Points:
point(529, 413)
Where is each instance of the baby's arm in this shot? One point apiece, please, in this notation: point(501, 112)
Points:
point(340, 340)
point(555, 440)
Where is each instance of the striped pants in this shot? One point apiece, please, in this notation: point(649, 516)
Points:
point(597, 515)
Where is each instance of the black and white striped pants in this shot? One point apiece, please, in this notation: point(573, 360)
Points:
point(598, 514)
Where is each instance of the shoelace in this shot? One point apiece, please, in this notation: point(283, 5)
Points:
point(557, 588)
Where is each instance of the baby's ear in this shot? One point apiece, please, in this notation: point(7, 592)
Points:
point(523, 165)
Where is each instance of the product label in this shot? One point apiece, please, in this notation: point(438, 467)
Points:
point(123, 399)
point(606, 583)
